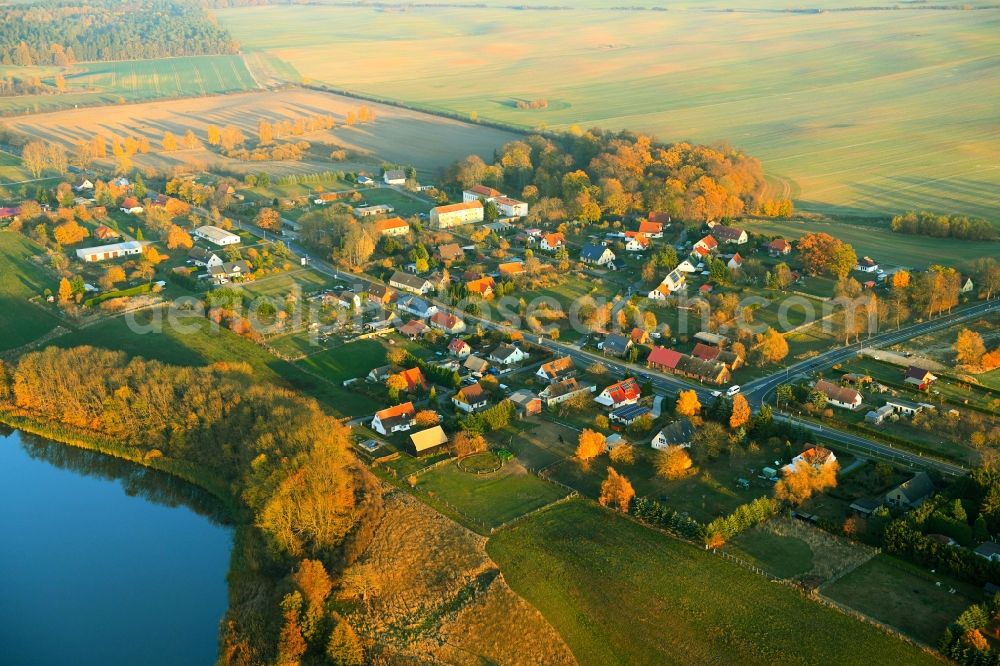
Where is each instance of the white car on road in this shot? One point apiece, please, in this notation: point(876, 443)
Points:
point(732, 390)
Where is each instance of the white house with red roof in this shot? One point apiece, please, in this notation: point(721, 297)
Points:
point(625, 392)
point(736, 263)
point(704, 248)
point(480, 192)
point(394, 419)
point(552, 242)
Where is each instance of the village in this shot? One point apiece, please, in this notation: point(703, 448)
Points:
point(493, 364)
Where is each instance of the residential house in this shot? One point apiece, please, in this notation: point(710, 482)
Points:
point(104, 232)
point(663, 359)
point(131, 206)
point(561, 391)
point(83, 185)
point(416, 306)
point(447, 322)
point(866, 265)
point(919, 377)
point(730, 235)
point(736, 263)
point(482, 287)
point(113, 251)
point(679, 433)
point(450, 252)
point(380, 294)
point(966, 286)
point(199, 256)
point(511, 268)
point(411, 283)
point(626, 415)
point(470, 398)
point(905, 407)
point(625, 392)
point(639, 336)
point(380, 374)
point(651, 228)
point(428, 439)
point(508, 207)
point(394, 419)
point(674, 282)
point(816, 456)
point(459, 348)
point(711, 353)
point(710, 372)
point(596, 255)
point(556, 370)
point(911, 493)
point(480, 193)
point(988, 550)
point(614, 440)
point(9, 212)
point(454, 215)
point(230, 270)
point(346, 298)
point(616, 344)
point(779, 247)
point(476, 366)
point(552, 242)
point(878, 416)
point(413, 329)
point(704, 248)
point(839, 396)
point(686, 267)
point(526, 403)
point(392, 226)
point(636, 242)
point(507, 354)
point(394, 177)
point(216, 236)
point(414, 378)
point(365, 180)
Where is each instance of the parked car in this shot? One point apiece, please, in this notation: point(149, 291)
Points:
point(732, 390)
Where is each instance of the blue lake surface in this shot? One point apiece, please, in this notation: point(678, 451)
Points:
point(105, 562)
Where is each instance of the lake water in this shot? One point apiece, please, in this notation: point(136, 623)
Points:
point(105, 562)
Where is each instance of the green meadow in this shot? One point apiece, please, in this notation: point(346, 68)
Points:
point(94, 83)
point(21, 279)
point(850, 112)
point(620, 593)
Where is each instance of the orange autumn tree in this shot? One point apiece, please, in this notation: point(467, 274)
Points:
point(741, 412)
point(673, 462)
point(69, 233)
point(616, 491)
point(804, 480)
point(969, 347)
point(178, 238)
point(590, 445)
point(688, 404)
point(426, 417)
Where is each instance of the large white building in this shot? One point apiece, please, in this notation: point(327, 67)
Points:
point(453, 215)
point(215, 235)
point(113, 251)
point(480, 193)
point(508, 207)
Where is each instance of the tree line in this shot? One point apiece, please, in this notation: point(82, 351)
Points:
point(943, 226)
point(60, 32)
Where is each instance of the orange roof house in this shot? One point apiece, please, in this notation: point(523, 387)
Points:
point(414, 379)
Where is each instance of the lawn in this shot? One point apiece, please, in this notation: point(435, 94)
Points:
point(405, 205)
point(904, 596)
point(669, 602)
point(348, 361)
point(782, 556)
point(93, 83)
point(484, 501)
point(842, 107)
point(20, 279)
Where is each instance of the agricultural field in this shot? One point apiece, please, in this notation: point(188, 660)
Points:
point(877, 241)
point(398, 136)
point(842, 107)
point(11, 169)
point(21, 279)
point(904, 596)
point(99, 83)
point(576, 563)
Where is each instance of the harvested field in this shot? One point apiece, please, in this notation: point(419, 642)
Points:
point(424, 590)
point(398, 136)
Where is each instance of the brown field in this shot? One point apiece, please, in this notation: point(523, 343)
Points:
point(399, 136)
point(424, 590)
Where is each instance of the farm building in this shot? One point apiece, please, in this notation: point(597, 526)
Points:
point(370, 211)
point(113, 251)
point(919, 377)
point(454, 215)
point(216, 236)
point(428, 439)
point(394, 177)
